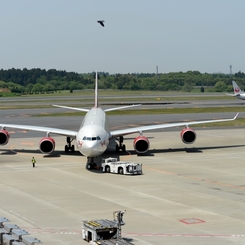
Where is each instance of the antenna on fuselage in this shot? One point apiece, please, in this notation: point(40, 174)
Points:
point(96, 90)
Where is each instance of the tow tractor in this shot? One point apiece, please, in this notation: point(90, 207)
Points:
point(103, 231)
point(112, 165)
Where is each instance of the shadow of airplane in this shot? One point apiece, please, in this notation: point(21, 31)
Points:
point(185, 149)
point(129, 240)
point(53, 154)
point(110, 152)
point(7, 152)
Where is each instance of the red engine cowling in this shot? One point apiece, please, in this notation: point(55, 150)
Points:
point(47, 145)
point(188, 135)
point(141, 144)
point(4, 137)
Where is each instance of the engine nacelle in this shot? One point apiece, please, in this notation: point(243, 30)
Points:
point(4, 137)
point(141, 144)
point(47, 145)
point(188, 135)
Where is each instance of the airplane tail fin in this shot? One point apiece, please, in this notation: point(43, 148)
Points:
point(96, 103)
point(236, 88)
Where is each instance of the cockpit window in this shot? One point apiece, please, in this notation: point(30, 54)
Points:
point(91, 138)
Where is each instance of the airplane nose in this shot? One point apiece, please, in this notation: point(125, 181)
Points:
point(90, 148)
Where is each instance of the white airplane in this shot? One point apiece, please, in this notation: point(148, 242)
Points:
point(238, 93)
point(93, 136)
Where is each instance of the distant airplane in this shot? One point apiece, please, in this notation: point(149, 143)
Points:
point(238, 93)
point(93, 136)
point(101, 22)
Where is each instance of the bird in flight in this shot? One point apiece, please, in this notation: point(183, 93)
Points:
point(101, 22)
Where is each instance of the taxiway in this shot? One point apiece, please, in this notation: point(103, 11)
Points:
point(188, 194)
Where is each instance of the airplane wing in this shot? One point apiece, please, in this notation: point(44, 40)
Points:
point(47, 130)
point(140, 129)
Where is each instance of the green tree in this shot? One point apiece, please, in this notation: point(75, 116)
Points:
point(38, 88)
point(187, 87)
point(28, 88)
point(220, 86)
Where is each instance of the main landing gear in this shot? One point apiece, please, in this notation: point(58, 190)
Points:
point(68, 146)
point(120, 145)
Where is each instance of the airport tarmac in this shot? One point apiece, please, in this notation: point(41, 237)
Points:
point(188, 194)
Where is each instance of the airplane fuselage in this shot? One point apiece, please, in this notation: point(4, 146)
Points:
point(240, 96)
point(93, 137)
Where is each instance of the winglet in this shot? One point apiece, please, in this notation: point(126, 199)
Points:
point(236, 115)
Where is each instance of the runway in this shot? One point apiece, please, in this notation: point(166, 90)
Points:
point(188, 194)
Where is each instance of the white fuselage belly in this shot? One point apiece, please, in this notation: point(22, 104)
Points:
point(241, 96)
point(93, 138)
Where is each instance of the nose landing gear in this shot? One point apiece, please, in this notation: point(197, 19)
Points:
point(91, 164)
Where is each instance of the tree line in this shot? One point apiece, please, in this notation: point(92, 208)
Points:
point(45, 81)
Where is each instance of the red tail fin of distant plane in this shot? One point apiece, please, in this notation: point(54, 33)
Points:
point(236, 88)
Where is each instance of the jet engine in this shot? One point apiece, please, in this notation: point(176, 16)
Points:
point(4, 137)
point(188, 135)
point(141, 144)
point(47, 145)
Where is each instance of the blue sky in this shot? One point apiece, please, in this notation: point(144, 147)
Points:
point(175, 35)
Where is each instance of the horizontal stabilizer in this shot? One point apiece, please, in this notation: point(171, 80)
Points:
point(122, 107)
point(72, 108)
point(231, 95)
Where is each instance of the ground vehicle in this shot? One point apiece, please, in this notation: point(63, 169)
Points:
point(11, 234)
point(103, 231)
point(112, 165)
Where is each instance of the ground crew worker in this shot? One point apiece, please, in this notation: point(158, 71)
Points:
point(33, 162)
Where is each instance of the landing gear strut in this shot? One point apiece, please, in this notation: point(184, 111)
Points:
point(120, 145)
point(91, 163)
point(68, 146)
